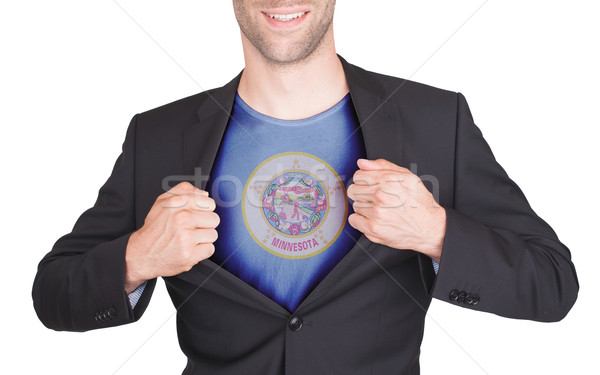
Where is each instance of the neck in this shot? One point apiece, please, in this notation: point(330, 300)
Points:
point(295, 91)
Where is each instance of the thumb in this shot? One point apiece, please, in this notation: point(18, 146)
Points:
point(378, 164)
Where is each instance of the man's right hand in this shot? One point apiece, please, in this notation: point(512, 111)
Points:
point(178, 232)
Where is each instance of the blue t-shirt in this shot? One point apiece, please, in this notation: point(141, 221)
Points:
point(280, 189)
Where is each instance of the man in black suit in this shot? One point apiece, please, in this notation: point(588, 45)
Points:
point(366, 314)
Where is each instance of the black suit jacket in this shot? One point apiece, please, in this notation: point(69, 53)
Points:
point(367, 315)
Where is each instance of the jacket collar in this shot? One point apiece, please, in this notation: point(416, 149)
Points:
point(379, 118)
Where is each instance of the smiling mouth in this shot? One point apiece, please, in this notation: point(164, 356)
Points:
point(286, 17)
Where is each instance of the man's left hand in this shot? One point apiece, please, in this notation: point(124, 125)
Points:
point(392, 207)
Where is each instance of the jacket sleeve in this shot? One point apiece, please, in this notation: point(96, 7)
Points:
point(498, 256)
point(79, 284)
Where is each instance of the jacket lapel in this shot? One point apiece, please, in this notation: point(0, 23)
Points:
point(380, 124)
point(379, 118)
point(201, 141)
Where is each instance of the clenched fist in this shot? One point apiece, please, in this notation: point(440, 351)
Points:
point(178, 232)
point(393, 208)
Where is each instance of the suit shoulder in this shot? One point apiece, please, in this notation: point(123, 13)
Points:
point(405, 90)
point(179, 111)
point(427, 108)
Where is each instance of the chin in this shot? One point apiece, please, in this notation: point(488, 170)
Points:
point(288, 53)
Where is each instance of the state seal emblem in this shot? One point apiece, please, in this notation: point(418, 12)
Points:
point(294, 205)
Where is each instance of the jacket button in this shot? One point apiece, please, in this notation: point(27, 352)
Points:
point(112, 312)
point(475, 299)
point(295, 323)
point(461, 296)
point(469, 299)
point(453, 295)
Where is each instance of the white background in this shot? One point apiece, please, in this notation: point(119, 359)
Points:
point(73, 73)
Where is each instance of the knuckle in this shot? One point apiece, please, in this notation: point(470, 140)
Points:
point(175, 200)
point(194, 255)
point(402, 169)
point(417, 182)
point(359, 206)
point(409, 177)
point(182, 188)
point(178, 189)
point(216, 219)
point(372, 228)
point(181, 217)
point(350, 190)
point(207, 219)
point(211, 204)
point(392, 177)
point(207, 249)
point(358, 176)
point(202, 236)
point(185, 186)
point(411, 180)
point(214, 235)
point(380, 196)
point(351, 220)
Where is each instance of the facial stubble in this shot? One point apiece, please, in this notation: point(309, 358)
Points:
point(301, 51)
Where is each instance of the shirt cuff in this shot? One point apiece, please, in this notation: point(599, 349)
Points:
point(134, 296)
point(436, 266)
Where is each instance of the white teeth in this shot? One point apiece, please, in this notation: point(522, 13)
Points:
point(286, 17)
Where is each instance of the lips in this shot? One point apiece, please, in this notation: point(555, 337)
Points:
point(286, 17)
